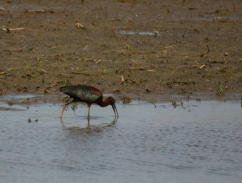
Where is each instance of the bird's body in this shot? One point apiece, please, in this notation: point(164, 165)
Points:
point(89, 95)
point(83, 93)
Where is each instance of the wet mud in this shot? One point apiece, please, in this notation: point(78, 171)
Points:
point(128, 47)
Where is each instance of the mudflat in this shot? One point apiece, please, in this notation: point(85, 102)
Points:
point(121, 46)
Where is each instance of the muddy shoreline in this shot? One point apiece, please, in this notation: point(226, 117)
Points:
point(174, 100)
point(134, 49)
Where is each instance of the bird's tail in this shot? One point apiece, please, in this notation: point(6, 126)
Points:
point(64, 89)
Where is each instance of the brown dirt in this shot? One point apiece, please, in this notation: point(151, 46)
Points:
point(191, 46)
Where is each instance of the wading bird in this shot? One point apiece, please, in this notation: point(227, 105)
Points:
point(88, 95)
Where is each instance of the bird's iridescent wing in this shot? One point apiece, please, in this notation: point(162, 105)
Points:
point(82, 93)
point(89, 93)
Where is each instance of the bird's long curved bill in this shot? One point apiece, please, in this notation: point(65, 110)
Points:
point(115, 110)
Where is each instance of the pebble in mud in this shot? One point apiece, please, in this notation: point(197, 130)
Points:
point(30, 120)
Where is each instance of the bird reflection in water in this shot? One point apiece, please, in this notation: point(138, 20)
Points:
point(90, 127)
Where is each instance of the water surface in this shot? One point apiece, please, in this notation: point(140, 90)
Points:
point(192, 142)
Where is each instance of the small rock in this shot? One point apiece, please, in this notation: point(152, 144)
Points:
point(126, 100)
point(122, 79)
point(130, 20)
point(202, 66)
point(80, 26)
point(196, 30)
point(2, 9)
point(220, 91)
point(174, 104)
point(116, 91)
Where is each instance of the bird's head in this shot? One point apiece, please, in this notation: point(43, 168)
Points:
point(111, 101)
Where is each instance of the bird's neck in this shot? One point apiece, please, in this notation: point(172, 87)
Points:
point(104, 103)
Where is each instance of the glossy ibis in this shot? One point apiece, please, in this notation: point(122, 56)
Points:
point(88, 95)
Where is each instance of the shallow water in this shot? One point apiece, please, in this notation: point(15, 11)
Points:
point(192, 142)
point(218, 18)
point(141, 33)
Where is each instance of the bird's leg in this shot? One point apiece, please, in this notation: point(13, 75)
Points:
point(88, 117)
point(88, 122)
point(115, 111)
point(89, 107)
point(63, 109)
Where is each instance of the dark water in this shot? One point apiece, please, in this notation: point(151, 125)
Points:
point(194, 142)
